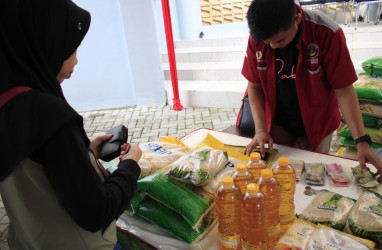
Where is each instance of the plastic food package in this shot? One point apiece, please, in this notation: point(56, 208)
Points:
point(368, 121)
point(349, 143)
point(193, 204)
point(297, 235)
point(328, 208)
point(368, 89)
point(315, 174)
point(347, 153)
point(162, 153)
point(330, 239)
point(371, 109)
point(373, 66)
point(365, 218)
point(170, 221)
point(337, 175)
point(375, 133)
point(198, 167)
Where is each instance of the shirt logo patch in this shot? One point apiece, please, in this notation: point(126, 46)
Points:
point(312, 61)
point(261, 63)
point(313, 50)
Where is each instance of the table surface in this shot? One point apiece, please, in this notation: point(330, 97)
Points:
point(162, 240)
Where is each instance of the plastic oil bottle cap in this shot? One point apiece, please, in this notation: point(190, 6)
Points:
point(283, 161)
point(252, 188)
point(241, 168)
point(255, 156)
point(227, 181)
point(266, 173)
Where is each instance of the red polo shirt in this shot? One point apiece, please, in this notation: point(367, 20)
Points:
point(324, 64)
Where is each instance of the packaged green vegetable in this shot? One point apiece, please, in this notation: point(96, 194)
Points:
point(198, 167)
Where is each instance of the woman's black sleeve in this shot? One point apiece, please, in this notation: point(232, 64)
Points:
point(93, 204)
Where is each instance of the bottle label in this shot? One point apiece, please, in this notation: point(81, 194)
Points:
point(230, 242)
point(274, 231)
point(246, 246)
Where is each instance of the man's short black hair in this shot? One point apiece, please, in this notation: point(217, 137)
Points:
point(268, 17)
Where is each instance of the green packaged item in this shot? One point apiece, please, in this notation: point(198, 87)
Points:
point(375, 133)
point(198, 167)
point(373, 66)
point(349, 143)
point(368, 89)
point(172, 222)
point(193, 204)
point(365, 218)
point(368, 121)
point(329, 209)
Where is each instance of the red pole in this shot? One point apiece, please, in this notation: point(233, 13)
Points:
point(171, 54)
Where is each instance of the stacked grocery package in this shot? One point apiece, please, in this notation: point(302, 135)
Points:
point(176, 189)
point(369, 92)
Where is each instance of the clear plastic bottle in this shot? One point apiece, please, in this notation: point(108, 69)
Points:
point(241, 177)
point(269, 186)
point(255, 165)
point(228, 199)
point(254, 219)
point(285, 175)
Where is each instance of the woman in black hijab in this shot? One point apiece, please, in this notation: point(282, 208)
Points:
point(52, 189)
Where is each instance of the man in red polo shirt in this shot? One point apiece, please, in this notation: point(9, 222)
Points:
point(299, 71)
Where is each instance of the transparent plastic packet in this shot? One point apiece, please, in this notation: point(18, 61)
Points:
point(198, 167)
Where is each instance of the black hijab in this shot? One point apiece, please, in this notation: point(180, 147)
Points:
point(36, 37)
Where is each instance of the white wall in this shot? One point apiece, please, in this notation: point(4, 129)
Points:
point(119, 61)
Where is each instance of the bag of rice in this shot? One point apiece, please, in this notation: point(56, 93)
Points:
point(328, 208)
point(375, 133)
point(192, 203)
point(368, 121)
point(368, 89)
point(349, 143)
point(373, 66)
point(365, 218)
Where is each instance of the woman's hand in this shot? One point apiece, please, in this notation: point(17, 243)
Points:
point(365, 154)
point(261, 138)
point(96, 144)
point(130, 151)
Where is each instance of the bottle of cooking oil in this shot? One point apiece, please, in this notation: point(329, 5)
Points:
point(228, 199)
point(285, 175)
point(269, 186)
point(255, 165)
point(241, 177)
point(254, 219)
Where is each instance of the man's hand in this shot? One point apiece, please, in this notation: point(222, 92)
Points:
point(365, 154)
point(261, 138)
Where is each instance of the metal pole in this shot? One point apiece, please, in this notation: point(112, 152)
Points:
point(171, 54)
